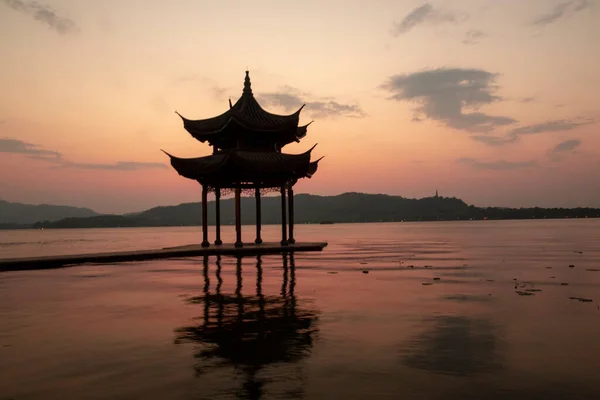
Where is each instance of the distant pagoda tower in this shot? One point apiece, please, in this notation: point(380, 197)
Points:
point(247, 143)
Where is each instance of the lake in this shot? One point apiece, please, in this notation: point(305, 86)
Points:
point(436, 310)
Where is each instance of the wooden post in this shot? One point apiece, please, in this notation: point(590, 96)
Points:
point(205, 242)
point(238, 218)
point(291, 239)
point(218, 240)
point(258, 239)
point(284, 241)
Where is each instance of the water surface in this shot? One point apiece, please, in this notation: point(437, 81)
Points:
point(447, 310)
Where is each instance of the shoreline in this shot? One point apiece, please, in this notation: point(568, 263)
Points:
point(31, 227)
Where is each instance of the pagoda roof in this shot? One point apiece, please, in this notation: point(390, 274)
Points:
point(233, 168)
point(247, 115)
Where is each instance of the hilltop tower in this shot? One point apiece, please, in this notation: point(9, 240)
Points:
point(247, 157)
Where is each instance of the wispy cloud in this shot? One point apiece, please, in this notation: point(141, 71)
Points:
point(20, 147)
point(44, 14)
point(36, 152)
point(494, 140)
point(118, 166)
point(568, 146)
point(559, 125)
point(500, 165)
point(218, 92)
point(512, 136)
point(425, 14)
point(473, 36)
point(445, 95)
point(290, 99)
point(562, 10)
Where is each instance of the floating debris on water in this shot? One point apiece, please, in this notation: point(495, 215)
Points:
point(593, 269)
point(548, 267)
point(533, 290)
point(524, 293)
point(582, 299)
point(552, 277)
point(489, 280)
point(426, 283)
point(564, 284)
point(436, 279)
point(362, 262)
point(365, 271)
point(571, 266)
point(427, 266)
point(332, 272)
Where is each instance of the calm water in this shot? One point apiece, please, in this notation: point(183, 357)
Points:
point(499, 323)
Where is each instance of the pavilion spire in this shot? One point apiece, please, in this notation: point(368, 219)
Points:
point(247, 84)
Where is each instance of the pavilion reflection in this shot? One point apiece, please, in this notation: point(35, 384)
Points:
point(251, 332)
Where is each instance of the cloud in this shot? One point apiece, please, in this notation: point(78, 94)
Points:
point(218, 92)
point(20, 147)
point(513, 135)
point(562, 10)
point(568, 146)
point(425, 14)
point(493, 140)
point(291, 99)
point(118, 166)
point(444, 94)
point(559, 125)
point(500, 165)
point(44, 14)
point(36, 152)
point(473, 37)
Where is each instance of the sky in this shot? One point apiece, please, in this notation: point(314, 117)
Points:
point(494, 102)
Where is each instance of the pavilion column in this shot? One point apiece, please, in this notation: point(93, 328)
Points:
point(258, 239)
point(205, 242)
point(291, 239)
point(218, 240)
point(238, 218)
point(284, 241)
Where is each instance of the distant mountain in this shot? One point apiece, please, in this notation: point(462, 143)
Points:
point(343, 208)
point(12, 214)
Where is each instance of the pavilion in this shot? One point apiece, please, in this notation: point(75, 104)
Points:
point(247, 157)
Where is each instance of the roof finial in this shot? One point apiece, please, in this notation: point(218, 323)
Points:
point(247, 85)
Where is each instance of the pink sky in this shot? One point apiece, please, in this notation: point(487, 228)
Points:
point(493, 102)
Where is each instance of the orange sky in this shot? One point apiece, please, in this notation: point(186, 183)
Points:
point(493, 102)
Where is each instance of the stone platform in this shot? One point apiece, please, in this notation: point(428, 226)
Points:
point(46, 262)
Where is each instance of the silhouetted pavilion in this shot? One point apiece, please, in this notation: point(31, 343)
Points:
point(247, 143)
